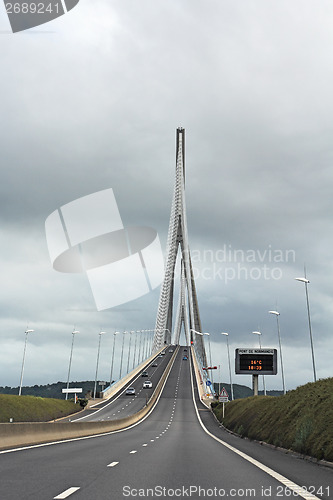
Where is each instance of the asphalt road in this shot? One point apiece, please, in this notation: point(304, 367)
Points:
point(168, 455)
point(122, 405)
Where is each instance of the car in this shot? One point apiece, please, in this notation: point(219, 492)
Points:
point(184, 358)
point(144, 374)
point(185, 350)
point(162, 353)
point(170, 350)
point(130, 391)
point(160, 356)
point(154, 365)
point(147, 384)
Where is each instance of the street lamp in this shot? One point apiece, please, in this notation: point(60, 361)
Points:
point(112, 359)
point(134, 355)
point(150, 339)
point(263, 377)
point(25, 347)
point(277, 314)
point(201, 353)
point(98, 351)
point(306, 281)
point(231, 386)
point(210, 358)
point(129, 349)
point(74, 332)
point(121, 356)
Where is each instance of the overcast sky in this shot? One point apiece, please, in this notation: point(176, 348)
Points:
point(92, 100)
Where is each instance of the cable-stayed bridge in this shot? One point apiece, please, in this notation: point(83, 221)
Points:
point(187, 315)
point(135, 446)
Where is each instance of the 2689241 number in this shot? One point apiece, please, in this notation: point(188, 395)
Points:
point(32, 8)
point(284, 491)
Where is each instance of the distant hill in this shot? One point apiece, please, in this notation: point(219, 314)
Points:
point(51, 390)
point(242, 391)
point(54, 390)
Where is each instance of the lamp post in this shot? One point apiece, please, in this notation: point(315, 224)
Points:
point(210, 360)
point(74, 332)
point(202, 361)
point(263, 377)
point(24, 350)
point(129, 349)
point(277, 314)
point(150, 340)
point(306, 282)
point(146, 341)
point(231, 386)
point(134, 355)
point(112, 358)
point(98, 351)
point(121, 356)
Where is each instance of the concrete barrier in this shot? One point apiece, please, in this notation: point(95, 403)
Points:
point(22, 434)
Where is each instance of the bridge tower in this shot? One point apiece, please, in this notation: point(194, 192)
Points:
point(188, 310)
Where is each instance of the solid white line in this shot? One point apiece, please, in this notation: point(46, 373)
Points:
point(112, 464)
point(66, 493)
point(286, 482)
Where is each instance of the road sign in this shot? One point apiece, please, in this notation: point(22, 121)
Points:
point(72, 390)
point(208, 383)
point(256, 361)
point(223, 396)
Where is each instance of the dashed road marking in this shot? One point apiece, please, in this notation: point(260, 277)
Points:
point(67, 493)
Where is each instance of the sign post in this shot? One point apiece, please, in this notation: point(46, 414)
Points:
point(72, 390)
point(256, 362)
point(223, 398)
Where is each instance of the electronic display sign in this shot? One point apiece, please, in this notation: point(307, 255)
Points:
point(256, 361)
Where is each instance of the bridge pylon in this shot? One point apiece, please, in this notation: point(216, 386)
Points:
point(188, 310)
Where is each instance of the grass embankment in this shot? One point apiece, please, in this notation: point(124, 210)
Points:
point(302, 420)
point(34, 409)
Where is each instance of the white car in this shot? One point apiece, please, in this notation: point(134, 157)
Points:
point(147, 384)
point(130, 391)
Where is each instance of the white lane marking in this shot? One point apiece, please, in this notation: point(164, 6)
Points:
point(285, 481)
point(133, 451)
point(112, 464)
point(67, 493)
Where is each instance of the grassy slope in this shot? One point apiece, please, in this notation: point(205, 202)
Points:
point(32, 409)
point(302, 420)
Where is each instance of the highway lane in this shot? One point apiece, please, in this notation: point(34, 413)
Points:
point(122, 405)
point(169, 449)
